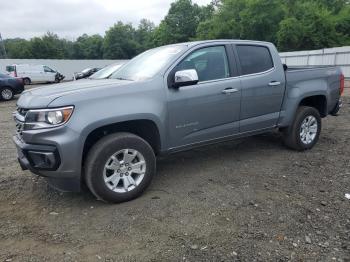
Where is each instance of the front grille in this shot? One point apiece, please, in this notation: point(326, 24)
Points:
point(22, 111)
point(19, 127)
point(19, 117)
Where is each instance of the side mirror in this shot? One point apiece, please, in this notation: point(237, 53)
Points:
point(186, 78)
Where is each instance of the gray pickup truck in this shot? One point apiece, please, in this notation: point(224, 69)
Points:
point(106, 134)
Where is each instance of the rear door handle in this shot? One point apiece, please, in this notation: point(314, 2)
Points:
point(229, 90)
point(274, 83)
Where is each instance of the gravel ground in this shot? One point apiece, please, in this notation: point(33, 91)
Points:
point(247, 200)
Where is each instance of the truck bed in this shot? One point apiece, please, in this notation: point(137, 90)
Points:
point(308, 79)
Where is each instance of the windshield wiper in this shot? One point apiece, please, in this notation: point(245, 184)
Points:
point(122, 78)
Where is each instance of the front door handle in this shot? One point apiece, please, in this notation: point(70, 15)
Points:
point(274, 83)
point(229, 90)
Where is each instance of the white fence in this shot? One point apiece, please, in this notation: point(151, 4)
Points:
point(65, 67)
point(339, 56)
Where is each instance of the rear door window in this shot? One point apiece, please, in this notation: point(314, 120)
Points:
point(254, 59)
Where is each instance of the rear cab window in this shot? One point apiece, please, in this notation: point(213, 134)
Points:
point(254, 59)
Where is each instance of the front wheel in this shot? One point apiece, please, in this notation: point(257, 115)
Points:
point(119, 167)
point(6, 93)
point(305, 130)
point(26, 81)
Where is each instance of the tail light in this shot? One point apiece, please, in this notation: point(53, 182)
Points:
point(342, 84)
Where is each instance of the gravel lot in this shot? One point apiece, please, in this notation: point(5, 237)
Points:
point(247, 200)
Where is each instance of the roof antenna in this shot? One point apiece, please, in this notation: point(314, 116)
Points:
point(2, 48)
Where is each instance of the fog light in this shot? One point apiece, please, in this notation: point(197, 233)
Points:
point(42, 160)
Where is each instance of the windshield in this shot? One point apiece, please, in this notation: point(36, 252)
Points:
point(10, 69)
point(147, 64)
point(105, 72)
point(86, 70)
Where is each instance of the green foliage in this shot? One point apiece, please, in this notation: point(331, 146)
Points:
point(88, 47)
point(18, 48)
point(181, 22)
point(290, 34)
point(261, 25)
point(144, 35)
point(120, 42)
point(290, 24)
point(48, 46)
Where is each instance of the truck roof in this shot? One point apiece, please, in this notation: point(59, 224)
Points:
point(194, 43)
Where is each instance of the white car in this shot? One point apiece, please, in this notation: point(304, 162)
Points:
point(33, 73)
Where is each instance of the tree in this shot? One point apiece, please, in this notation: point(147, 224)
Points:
point(313, 27)
point(88, 47)
point(244, 19)
point(260, 19)
point(225, 23)
point(48, 46)
point(342, 25)
point(144, 35)
point(18, 48)
point(290, 35)
point(181, 22)
point(119, 42)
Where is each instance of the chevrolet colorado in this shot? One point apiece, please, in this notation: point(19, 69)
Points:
point(107, 133)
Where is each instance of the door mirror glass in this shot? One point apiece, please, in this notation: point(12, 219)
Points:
point(186, 77)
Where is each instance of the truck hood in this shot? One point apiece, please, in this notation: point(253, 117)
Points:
point(42, 96)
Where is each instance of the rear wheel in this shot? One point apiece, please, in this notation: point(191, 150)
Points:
point(305, 130)
point(6, 93)
point(26, 81)
point(119, 167)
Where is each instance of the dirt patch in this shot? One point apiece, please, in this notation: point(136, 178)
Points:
point(247, 200)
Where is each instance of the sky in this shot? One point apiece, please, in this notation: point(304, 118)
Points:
point(72, 18)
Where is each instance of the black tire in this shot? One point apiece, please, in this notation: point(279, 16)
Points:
point(291, 134)
point(6, 93)
point(99, 155)
point(26, 81)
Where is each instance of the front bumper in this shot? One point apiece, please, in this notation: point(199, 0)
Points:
point(37, 158)
point(53, 154)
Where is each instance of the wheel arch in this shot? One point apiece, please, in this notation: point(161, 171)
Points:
point(144, 128)
point(318, 101)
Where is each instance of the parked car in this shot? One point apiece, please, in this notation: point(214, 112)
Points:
point(86, 73)
point(106, 72)
point(107, 133)
point(10, 86)
point(34, 73)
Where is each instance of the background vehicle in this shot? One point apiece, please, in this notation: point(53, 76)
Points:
point(34, 73)
point(10, 86)
point(86, 73)
point(109, 132)
point(106, 72)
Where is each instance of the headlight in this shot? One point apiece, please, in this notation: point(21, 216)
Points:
point(47, 118)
